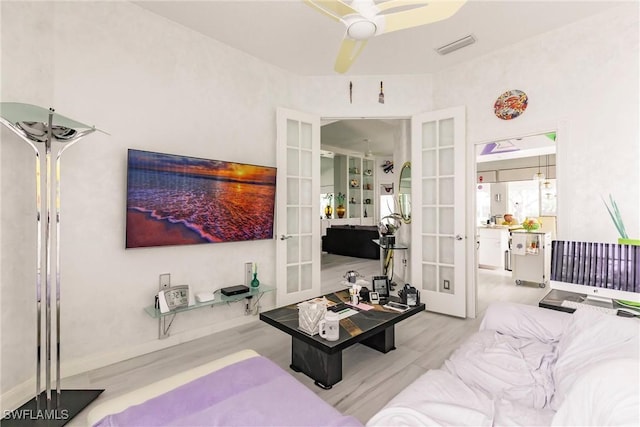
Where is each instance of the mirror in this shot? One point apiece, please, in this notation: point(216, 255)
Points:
point(404, 192)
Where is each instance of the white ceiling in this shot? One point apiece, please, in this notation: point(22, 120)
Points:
point(291, 35)
point(295, 37)
point(362, 135)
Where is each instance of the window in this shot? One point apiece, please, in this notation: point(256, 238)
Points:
point(548, 200)
point(531, 198)
point(483, 203)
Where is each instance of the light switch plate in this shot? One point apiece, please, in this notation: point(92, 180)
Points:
point(165, 281)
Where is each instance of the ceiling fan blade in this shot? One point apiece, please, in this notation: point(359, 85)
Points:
point(435, 11)
point(334, 9)
point(350, 49)
point(391, 4)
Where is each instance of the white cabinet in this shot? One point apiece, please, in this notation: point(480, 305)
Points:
point(494, 243)
point(531, 259)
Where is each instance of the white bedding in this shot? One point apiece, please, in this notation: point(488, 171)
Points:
point(492, 379)
point(525, 364)
point(505, 367)
point(592, 339)
point(607, 394)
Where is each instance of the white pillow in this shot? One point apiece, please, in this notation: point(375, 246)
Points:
point(590, 339)
point(608, 394)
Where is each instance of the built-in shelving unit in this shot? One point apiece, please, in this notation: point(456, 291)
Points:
point(359, 188)
point(354, 186)
point(368, 192)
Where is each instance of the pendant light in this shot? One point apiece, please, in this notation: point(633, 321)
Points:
point(547, 183)
point(539, 176)
point(369, 153)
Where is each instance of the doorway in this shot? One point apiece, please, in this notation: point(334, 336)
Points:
point(516, 177)
point(353, 151)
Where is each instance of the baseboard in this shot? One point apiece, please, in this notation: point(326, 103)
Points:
point(19, 394)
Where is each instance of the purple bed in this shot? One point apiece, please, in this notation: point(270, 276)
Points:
point(251, 392)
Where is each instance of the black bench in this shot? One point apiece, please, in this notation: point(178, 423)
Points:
point(352, 240)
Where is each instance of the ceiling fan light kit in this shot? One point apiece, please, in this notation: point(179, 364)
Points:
point(364, 19)
point(360, 28)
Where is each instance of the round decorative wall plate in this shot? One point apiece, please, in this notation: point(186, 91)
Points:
point(511, 104)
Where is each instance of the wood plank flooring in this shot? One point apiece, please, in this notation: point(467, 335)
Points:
point(370, 378)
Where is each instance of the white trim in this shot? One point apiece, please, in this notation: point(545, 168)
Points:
point(561, 128)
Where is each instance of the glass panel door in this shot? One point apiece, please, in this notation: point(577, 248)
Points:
point(438, 231)
point(298, 247)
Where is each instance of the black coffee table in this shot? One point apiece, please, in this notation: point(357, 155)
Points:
point(321, 359)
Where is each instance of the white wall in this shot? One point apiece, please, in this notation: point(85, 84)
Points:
point(585, 75)
point(152, 85)
point(405, 95)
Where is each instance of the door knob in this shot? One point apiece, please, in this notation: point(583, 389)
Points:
point(458, 237)
point(283, 237)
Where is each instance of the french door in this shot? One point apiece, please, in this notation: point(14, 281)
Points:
point(298, 204)
point(438, 240)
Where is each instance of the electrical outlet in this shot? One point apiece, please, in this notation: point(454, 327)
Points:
point(446, 284)
point(165, 281)
point(248, 273)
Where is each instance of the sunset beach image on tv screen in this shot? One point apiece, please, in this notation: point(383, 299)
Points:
point(179, 200)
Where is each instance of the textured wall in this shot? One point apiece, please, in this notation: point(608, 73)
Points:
point(152, 85)
point(585, 75)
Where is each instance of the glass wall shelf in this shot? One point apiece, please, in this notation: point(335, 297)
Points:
point(219, 299)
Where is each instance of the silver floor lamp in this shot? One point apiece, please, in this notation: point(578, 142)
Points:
point(46, 131)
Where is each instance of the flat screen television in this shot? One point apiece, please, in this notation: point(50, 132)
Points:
point(180, 200)
point(601, 271)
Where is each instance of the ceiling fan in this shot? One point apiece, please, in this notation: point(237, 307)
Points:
point(365, 19)
point(369, 153)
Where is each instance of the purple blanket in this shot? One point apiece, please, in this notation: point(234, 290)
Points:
point(253, 392)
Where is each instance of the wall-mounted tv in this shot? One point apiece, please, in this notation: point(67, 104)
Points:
point(179, 200)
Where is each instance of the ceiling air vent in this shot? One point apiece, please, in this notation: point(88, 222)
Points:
point(458, 44)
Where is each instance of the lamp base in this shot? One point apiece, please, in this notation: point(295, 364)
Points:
point(72, 402)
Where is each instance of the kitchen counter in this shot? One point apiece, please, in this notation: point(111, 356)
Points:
point(508, 227)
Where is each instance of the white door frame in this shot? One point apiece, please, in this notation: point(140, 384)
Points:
point(562, 134)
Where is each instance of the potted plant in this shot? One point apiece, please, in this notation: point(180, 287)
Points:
point(340, 209)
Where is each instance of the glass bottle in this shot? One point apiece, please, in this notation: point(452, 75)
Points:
point(255, 283)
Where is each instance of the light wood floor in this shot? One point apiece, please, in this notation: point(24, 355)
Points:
point(370, 378)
